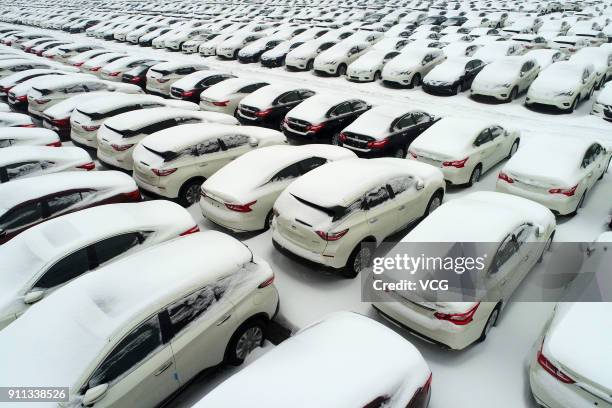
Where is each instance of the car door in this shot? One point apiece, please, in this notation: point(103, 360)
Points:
point(381, 211)
point(501, 141)
point(201, 324)
point(410, 205)
point(357, 108)
point(503, 268)
point(484, 149)
point(64, 202)
point(592, 165)
point(529, 71)
point(284, 103)
point(209, 157)
point(234, 145)
point(140, 370)
point(529, 252)
point(340, 116)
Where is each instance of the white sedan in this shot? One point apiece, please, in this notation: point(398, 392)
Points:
point(17, 162)
point(505, 78)
point(28, 137)
point(49, 255)
point(557, 174)
point(225, 96)
point(464, 148)
point(603, 105)
point(411, 65)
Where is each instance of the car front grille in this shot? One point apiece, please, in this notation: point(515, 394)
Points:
point(248, 111)
point(357, 141)
point(297, 125)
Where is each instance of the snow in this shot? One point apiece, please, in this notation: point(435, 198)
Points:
point(450, 136)
point(64, 108)
point(16, 154)
point(323, 356)
point(559, 77)
point(605, 96)
point(376, 122)
point(29, 136)
point(499, 72)
point(544, 57)
point(448, 71)
point(264, 96)
point(221, 90)
point(137, 119)
point(313, 109)
point(167, 67)
point(190, 81)
point(8, 119)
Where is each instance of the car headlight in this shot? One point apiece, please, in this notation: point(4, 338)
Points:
point(405, 72)
point(567, 93)
point(507, 85)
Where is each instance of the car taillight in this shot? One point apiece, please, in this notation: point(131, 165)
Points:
point(573, 49)
point(413, 154)
point(455, 163)
point(4, 89)
point(163, 172)
point(121, 148)
point(87, 166)
point(378, 144)
point(41, 101)
point(188, 94)
point(263, 113)
point(220, 103)
point(135, 79)
point(505, 177)
point(55, 144)
point(133, 195)
point(22, 98)
point(243, 208)
point(114, 74)
point(460, 319)
point(90, 128)
point(421, 396)
point(565, 191)
point(77, 64)
point(60, 122)
point(191, 230)
point(315, 128)
point(267, 282)
point(551, 369)
point(163, 80)
point(95, 69)
point(28, 125)
point(342, 137)
point(334, 236)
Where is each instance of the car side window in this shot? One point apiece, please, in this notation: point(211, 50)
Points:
point(400, 184)
point(94, 86)
point(341, 109)
point(63, 201)
point(357, 106)
point(506, 250)
point(75, 89)
point(310, 164)
point(156, 127)
point(6, 142)
point(21, 216)
point(523, 234)
point(405, 121)
point(306, 93)
point(212, 80)
point(495, 132)
point(376, 197)
point(185, 71)
point(137, 346)
point(234, 141)
point(208, 146)
point(112, 247)
point(390, 55)
point(289, 172)
point(482, 138)
point(421, 117)
point(21, 169)
point(288, 97)
point(192, 306)
point(71, 266)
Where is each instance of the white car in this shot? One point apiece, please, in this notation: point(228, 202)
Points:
point(512, 234)
point(57, 117)
point(63, 53)
point(229, 48)
point(87, 118)
point(342, 343)
point(335, 60)
point(563, 85)
point(368, 67)
point(191, 86)
point(452, 76)
point(545, 56)
point(13, 119)
point(505, 78)
point(557, 175)
point(302, 58)
point(174, 162)
point(118, 136)
point(94, 64)
point(460, 49)
point(245, 203)
point(569, 44)
point(553, 28)
point(335, 214)
point(531, 41)
point(17, 162)
point(81, 58)
point(215, 308)
point(10, 66)
point(176, 41)
point(114, 71)
point(568, 362)
point(410, 66)
point(499, 49)
point(464, 149)
point(601, 59)
point(69, 246)
point(603, 105)
point(160, 77)
point(8, 82)
point(226, 95)
point(24, 136)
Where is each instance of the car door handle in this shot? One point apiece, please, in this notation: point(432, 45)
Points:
point(373, 220)
point(525, 258)
point(163, 368)
point(401, 207)
point(203, 164)
point(223, 319)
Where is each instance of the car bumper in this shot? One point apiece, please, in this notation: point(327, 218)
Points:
point(232, 220)
point(122, 160)
point(558, 203)
point(499, 94)
point(558, 103)
point(157, 191)
point(297, 65)
point(326, 70)
point(439, 89)
point(360, 77)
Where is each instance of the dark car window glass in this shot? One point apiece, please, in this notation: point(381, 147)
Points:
point(62, 201)
point(289, 172)
point(190, 308)
point(21, 216)
point(421, 117)
point(16, 170)
point(311, 163)
point(64, 270)
point(496, 131)
point(6, 142)
point(377, 196)
point(341, 109)
point(292, 96)
point(208, 146)
point(405, 122)
point(234, 141)
point(358, 106)
point(185, 71)
point(507, 249)
point(482, 138)
point(400, 184)
point(134, 348)
point(95, 87)
point(112, 247)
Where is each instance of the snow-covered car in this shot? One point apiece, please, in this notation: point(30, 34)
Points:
point(553, 28)
point(127, 361)
point(452, 76)
point(563, 85)
point(192, 45)
point(484, 32)
point(545, 56)
point(568, 44)
point(10, 81)
point(13, 119)
point(557, 175)
point(244, 202)
point(322, 117)
point(63, 53)
point(225, 96)
point(410, 66)
point(568, 362)
point(253, 51)
point(11, 66)
point(460, 49)
point(499, 49)
point(174, 162)
point(87, 117)
point(531, 41)
point(81, 58)
point(338, 342)
point(603, 104)
point(18, 95)
point(32, 200)
point(191, 86)
point(276, 56)
point(229, 48)
point(601, 59)
point(336, 59)
point(268, 105)
point(385, 131)
point(209, 47)
point(46, 94)
point(160, 77)
point(17, 162)
point(368, 67)
point(464, 149)
point(114, 71)
point(138, 74)
point(95, 64)
point(32, 136)
point(512, 231)
point(135, 35)
point(41, 48)
point(147, 39)
point(302, 58)
point(523, 25)
point(337, 213)
point(176, 41)
point(93, 242)
point(505, 78)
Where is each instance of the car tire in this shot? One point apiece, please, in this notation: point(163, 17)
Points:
point(247, 337)
point(513, 94)
point(573, 106)
point(310, 65)
point(341, 71)
point(377, 76)
point(235, 54)
point(546, 247)
point(434, 202)
point(190, 192)
point(362, 254)
point(514, 148)
point(458, 89)
point(475, 176)
point(416, 80)
point(268, 221)
point(491, 321)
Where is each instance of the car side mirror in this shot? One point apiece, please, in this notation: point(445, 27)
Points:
point(420, 185)
point(33, 296)
point(539, 231)
point(253, 142)
point(94, 394)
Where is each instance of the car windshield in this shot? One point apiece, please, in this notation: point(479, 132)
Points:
point(336, 212)
point(167, 155)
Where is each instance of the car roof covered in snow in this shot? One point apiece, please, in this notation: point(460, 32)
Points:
point(341, 182)
point(16, 77)
point(115, 100)
point(264, 96)
point(14, 118)
point(64, 108)
point(59, 81)
point(94, 308)
point(28, 133)
point(16, 154)
point(231, 85)
point(188, 81)
point(483, 216)
point(320, 356)
point(135, 119)
point(174, 65)
point(314, 108)
point(377, 121)
point(19, 191)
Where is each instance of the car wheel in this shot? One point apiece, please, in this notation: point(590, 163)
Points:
point(475, 177)
point(513, 94)
point(190, 193)
point(341, 71)
point(416, 81)
point(400, 153)
point(360, 257)
point(377, 76)
point(573, 106)
point(310, 65)
point(514, 148)
point(580, 203)
point(434, 202)
point(245, 339)
point(491, 321)
point(268, 222)
point(458, 89)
